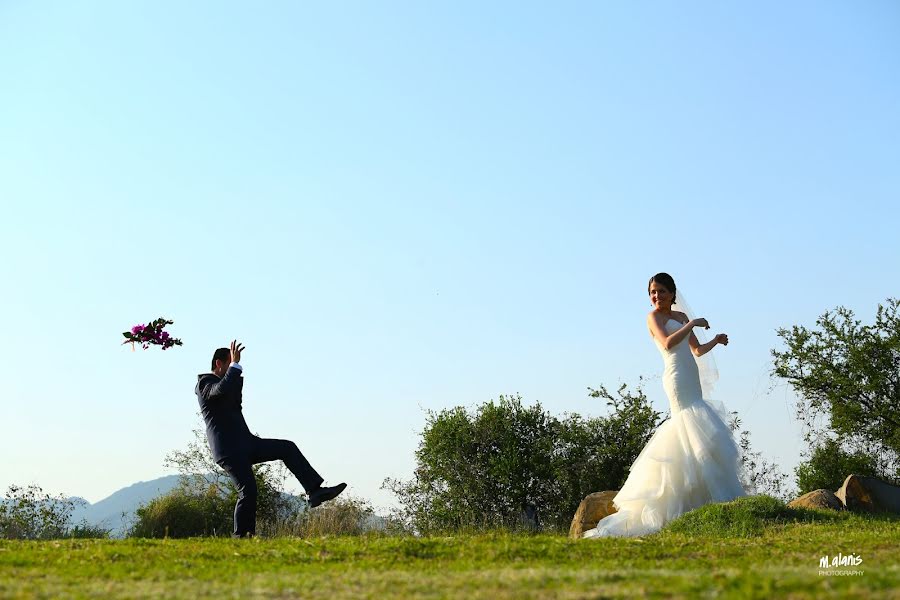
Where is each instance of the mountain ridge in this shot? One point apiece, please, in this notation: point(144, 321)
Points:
point(116, 511)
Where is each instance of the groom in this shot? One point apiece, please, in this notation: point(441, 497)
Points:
point(236, 450)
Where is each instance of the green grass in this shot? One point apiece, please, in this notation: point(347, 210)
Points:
point(754, 547)
point(751, 516)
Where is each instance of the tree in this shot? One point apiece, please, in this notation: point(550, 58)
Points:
point(848, 374)
point(510, 465)
point(828, 466)
point(29, 513)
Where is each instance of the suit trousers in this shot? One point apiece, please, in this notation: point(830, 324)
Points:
point(240, 469)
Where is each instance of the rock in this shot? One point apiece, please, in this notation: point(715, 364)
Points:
point(593, 508)
point(869, 494)
point(817, 499)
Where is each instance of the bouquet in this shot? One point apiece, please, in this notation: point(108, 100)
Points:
point(151, 334)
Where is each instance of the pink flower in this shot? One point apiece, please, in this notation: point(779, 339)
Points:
point(151, 334)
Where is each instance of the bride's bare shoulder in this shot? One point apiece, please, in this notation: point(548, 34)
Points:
point(680, 316)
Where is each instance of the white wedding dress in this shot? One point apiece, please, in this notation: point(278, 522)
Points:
point(690, 460)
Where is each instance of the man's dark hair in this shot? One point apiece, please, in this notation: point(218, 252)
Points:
point(220, 354)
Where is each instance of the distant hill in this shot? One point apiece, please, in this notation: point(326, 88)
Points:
point(116, 511)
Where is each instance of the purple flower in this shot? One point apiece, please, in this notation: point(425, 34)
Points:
point(151, 334)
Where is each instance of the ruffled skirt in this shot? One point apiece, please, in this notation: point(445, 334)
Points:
point(690, 460)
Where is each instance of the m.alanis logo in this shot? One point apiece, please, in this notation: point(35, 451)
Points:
point(840, 560)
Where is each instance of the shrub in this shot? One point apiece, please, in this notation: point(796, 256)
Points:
point(85, 530)
point(511, 466)
point(181, 513)
point(830, 464)
point(341, 516)
point(28, 513)
point(758, 475)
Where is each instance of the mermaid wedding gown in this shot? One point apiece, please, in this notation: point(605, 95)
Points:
point(690, 460)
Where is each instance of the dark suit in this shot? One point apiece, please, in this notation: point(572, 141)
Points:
point(236, 450)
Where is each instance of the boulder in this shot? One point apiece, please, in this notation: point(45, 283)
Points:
point(817, 499)
point(593, 508)
point(869, 494)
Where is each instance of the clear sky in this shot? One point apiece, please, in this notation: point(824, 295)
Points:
point(400, 207)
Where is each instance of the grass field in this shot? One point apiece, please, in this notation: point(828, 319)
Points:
point(744, 549)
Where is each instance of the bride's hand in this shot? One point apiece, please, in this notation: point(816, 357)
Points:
point(701, 323)
point(722, 339)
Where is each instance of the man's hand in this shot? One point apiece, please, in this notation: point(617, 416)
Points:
point(236, 350)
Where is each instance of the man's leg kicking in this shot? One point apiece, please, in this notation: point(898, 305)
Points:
point(285, 450)
point(241, 472)
point(265, 450)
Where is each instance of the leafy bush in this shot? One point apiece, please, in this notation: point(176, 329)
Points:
point(182, 513)
point(511, 466)
point(85, 530)
point(830, 464)
point(758, 475)
point(28, 513)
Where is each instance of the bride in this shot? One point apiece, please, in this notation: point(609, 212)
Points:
point(692, 458)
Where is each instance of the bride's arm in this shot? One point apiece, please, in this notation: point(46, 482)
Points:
point(700, 349)
point(655, 324)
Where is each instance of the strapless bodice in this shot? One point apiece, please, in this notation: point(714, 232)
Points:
point(681, 377)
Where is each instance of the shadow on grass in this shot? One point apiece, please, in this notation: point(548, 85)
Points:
point(750, 516)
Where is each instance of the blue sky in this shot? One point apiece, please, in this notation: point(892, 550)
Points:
point(410, 206)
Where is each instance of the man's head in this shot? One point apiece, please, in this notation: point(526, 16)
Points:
point(220, 361)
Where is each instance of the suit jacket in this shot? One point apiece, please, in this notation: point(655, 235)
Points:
point(220, 404)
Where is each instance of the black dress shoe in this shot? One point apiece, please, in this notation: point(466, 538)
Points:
point(324, 494)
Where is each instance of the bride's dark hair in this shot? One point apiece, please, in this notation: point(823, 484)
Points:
point(666, 280)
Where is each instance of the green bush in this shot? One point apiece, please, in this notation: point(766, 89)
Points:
point(181, 514)
point(830, 464)
point(28, 513)
point(509, 466)
point(85, 530)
